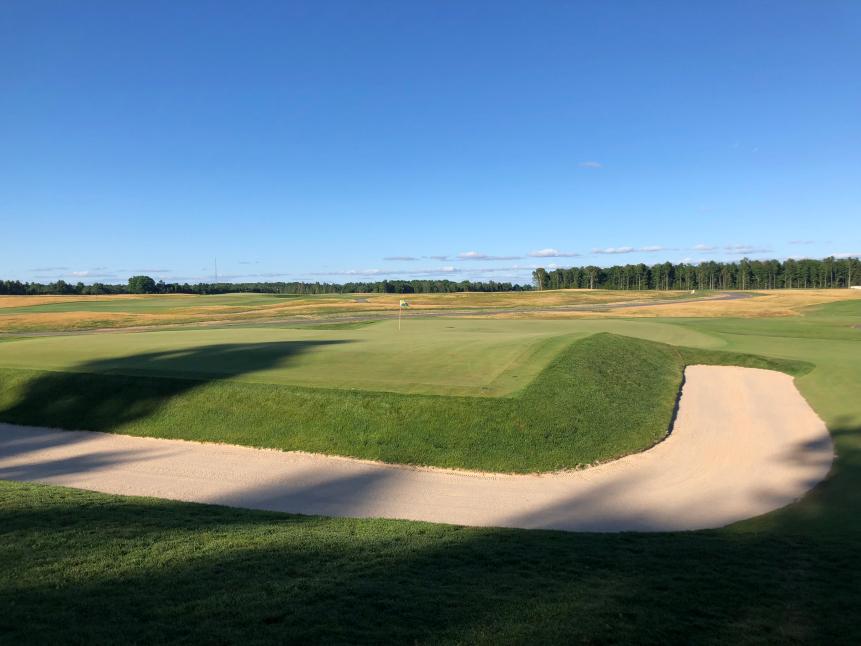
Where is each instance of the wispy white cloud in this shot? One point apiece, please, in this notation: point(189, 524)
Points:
point(744, 249)
point(590, 164)
point(496, 270)
point(249, 262)
point(704, 248)
point(475, 255)
point(389, 272)
point(552, 253)
point(614, 250)
point(440, 258)
point(848, 254)
point(153, 271)
point(49, 269)
point(801, 242)
point(620, 250)
point(404, 258)
point(89, 273)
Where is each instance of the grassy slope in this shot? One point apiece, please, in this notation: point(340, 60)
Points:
point(603, 397)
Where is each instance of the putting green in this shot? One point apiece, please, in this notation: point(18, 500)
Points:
point(430, 356)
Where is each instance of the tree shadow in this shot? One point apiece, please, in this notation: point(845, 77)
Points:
point(137, 570)
point(109, 569)
point(105, 394)
point(112, 569)
point(832, 505)
point(16, 443)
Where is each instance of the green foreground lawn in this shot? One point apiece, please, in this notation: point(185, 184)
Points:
point(78, 567)
point(82, 567)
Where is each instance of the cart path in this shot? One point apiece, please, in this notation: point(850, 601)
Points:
point(744, 442)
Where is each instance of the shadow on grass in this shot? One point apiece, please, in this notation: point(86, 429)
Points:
point(830, 508)
point(79, 567)
point(140, 384)
point(86, 568)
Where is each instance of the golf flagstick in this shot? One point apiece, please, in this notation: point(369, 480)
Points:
point(401, 305)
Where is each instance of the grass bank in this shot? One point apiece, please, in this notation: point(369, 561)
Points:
point(603, 397)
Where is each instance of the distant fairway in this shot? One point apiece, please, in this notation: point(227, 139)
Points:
point(48, 314)
point(53, 313)
point(137, 304)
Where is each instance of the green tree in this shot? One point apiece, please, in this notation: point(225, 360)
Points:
point(142, 285)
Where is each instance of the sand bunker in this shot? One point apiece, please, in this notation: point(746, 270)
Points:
point(744, 443)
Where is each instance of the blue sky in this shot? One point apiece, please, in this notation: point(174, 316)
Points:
point(348, 140)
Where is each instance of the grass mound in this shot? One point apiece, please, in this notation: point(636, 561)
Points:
point(603, 397)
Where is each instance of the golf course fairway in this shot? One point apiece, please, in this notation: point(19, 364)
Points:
point(782, 576)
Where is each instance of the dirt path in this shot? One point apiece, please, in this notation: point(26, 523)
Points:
point(744, 442)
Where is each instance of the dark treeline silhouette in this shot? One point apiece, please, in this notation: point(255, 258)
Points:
point(146, 285)
point(744, 274)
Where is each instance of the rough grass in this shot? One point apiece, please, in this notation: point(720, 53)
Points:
point(58, 313)
point(766, 304)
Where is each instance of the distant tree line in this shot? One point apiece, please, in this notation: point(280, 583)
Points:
point(744, 274)
point(147, 285)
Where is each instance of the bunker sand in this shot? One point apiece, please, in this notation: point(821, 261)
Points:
point(744, 442)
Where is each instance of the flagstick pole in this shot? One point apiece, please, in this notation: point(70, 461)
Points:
point(399, 316)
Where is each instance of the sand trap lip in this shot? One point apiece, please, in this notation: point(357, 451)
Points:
point(744, 442)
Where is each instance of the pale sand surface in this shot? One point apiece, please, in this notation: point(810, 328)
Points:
point(744, 443)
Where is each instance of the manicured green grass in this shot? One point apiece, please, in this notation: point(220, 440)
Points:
point(432, 356)
point(349, 325)
point(78, 567)
point(83, 567)
point(7, 339)
point(603, 397)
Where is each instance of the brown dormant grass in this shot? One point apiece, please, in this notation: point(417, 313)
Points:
point(190, 311)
